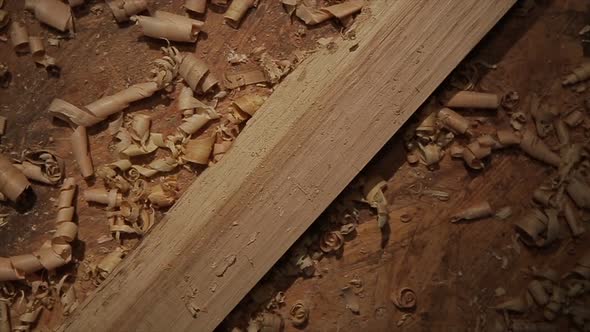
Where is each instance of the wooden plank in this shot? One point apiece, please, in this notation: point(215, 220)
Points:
point(319, 128)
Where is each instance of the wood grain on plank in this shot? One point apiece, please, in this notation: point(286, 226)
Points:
point(318, 129)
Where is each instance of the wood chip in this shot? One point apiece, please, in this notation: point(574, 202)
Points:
point(13, 182)
point(123, 9)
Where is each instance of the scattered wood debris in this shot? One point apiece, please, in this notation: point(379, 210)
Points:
point(578, 74)
point(237, 10)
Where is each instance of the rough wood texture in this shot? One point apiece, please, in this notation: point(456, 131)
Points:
point(313, 135)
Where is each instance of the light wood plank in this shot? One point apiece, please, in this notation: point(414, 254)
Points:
point(319, 128)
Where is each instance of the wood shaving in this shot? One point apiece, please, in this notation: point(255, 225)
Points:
point(543, 116)
point(473, 154)
point(53, 253)
point(574, 118)
point(404, 298)
point(52, 12)
point(42, 166)
point(507, 137)
point(342, 11)
point(503, 213)
point(331, 241)
point(299, 314)
point(578, 74)
point(109, 263)
point(112, 198)
point(13, 183)
point(373, 194)
point(510, 100)
point(431, 154)
point(518, 304)
point(536, 148)
point(243, 78)
point(102, 108)
point(538, 292)
point(40, 57)
point(123, 9)
point(472, 99)
point(453, 121)
point(579, 191)
point(19, 37)
point(199, 150)
point(477, 211)
point(81, 151)
point(161, 196)
point(236, 12)
point(169, 26)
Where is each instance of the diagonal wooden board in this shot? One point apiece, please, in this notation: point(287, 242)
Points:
point(315, 133)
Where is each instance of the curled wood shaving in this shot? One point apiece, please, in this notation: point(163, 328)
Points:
point(40, 57)
point(574, 118)
point(579, 191)
point(578, 74)
point(373, 194)
point(473, 154)
point(19, 37)
point(544, 196)
point(53, 253)
point(538, 292)
point(510, 100)
point(503, 213)
point(507, 137)
point(189, 105)
point(81, 151)
point(562, 132)
point(162, 195)
point(192, 69)
point(112, 198)
point(518, 304)
point(169, 26)
point(13, 183)
point(198, 150)
point(243, 78)
point(41, 165)
point(477, 211)
point(487, 140)
point(102, 108)
point(331, 241)
point(248, 104)
point(431, 154)
point(404, 298)
point(453, 121)
point(536, 148)
point(197, 6)
point(573, 219)
point(109, 263)
point(342, 11)
point(472, 99)
point(538, 228)
point(52, 12)
point(162, 165)
point(543, 116)
point(236, 11)
point(299, 314)
point(124, 9)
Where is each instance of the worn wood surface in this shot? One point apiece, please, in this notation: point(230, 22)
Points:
point(240, 216)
